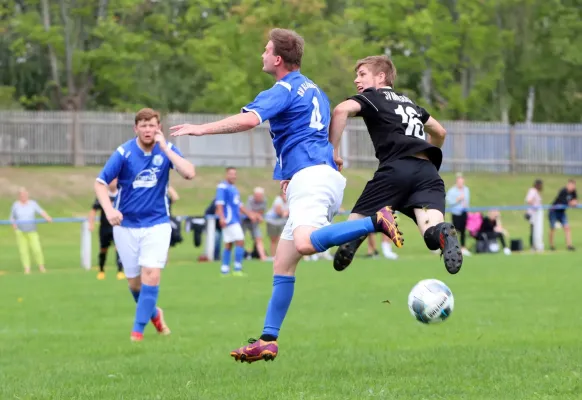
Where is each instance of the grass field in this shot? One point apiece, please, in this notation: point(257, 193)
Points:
point(514, 333)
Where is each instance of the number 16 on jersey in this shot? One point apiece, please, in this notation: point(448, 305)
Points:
point(410, 117)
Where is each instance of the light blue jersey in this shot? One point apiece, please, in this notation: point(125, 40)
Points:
point(299, 114)
point(143, 180)
point(228, 196)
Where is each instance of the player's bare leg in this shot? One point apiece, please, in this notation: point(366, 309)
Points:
point(386, 221)
point(151, 278)
point(568, 233)
point(441, 235)
point(284, 265)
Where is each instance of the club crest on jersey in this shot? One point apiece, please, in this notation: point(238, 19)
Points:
point(146, 179)
point(158, 160)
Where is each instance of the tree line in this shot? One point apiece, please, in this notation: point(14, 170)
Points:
point(490, 60)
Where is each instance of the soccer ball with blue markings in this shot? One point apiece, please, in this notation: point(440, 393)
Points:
point(431, 301)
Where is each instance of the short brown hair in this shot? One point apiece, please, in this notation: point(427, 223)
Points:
point(378, 64)
point(288, 45)
point(145, 114)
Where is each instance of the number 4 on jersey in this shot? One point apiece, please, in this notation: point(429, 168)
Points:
point(414, 126)
point(316, 116)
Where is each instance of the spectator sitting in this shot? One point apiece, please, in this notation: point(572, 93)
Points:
point(491, 229)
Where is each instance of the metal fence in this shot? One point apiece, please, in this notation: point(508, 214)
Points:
point(88, 138)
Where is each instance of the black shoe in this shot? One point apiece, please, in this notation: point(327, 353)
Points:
point(345, 254)
point(450, 248)
point(571, 248)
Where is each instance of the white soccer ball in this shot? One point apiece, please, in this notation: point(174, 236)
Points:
point(431, 301)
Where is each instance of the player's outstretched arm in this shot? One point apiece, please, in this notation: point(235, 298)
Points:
point(236, 123)
point(436, 132)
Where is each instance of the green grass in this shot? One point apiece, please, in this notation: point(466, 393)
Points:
point(65, 335)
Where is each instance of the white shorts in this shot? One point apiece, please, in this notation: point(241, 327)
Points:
point(232, 233)
point(142, 247)
point(314, 195)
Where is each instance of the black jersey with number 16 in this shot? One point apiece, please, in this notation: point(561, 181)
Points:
point(396, 125)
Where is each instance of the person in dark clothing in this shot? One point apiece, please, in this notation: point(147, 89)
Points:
point(211, 210)
point(491, 229)
point(567, 197)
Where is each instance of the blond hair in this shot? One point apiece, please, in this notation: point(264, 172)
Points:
point(377, 64)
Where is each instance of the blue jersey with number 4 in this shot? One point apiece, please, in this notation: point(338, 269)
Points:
point(299, 114)
point(143, 180)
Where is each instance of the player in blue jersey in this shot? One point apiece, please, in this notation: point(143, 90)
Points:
point(228, 209)
point(141, 216)
point(299, 115)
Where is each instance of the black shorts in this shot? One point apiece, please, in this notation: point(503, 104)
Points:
point(105, 237)
point(403, 184)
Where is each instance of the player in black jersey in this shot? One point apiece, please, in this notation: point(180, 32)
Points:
point(105, 233)
point(407, 142)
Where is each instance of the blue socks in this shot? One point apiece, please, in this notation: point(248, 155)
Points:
point(239, 254)
point(283, 287)
point(340, 233)
point(153, 290)
point(225, 268)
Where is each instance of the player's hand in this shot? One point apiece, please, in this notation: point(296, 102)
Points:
point(91, 227)
point(284, 185)
point(186, 129)
point(340, 163)
point(114, 217)
point(161, 140)
point(222, 222)
point(49, 219)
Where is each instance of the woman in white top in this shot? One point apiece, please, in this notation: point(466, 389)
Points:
point(22, 216)
point(534, 199)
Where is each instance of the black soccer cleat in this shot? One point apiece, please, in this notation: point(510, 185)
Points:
point(345, 253)
point(450, 248)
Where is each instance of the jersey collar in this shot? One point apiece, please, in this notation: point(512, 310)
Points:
point(291, 74)
point(145, 153)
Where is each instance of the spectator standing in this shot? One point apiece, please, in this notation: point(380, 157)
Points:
point(22, 216)
point(276, 218)
point(257, 204)
point(567, 197)
point(459, 199)
point(534, 199)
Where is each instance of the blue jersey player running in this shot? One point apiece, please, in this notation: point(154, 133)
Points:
point(228, 210)
point(299, 116)
point(141, 214)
